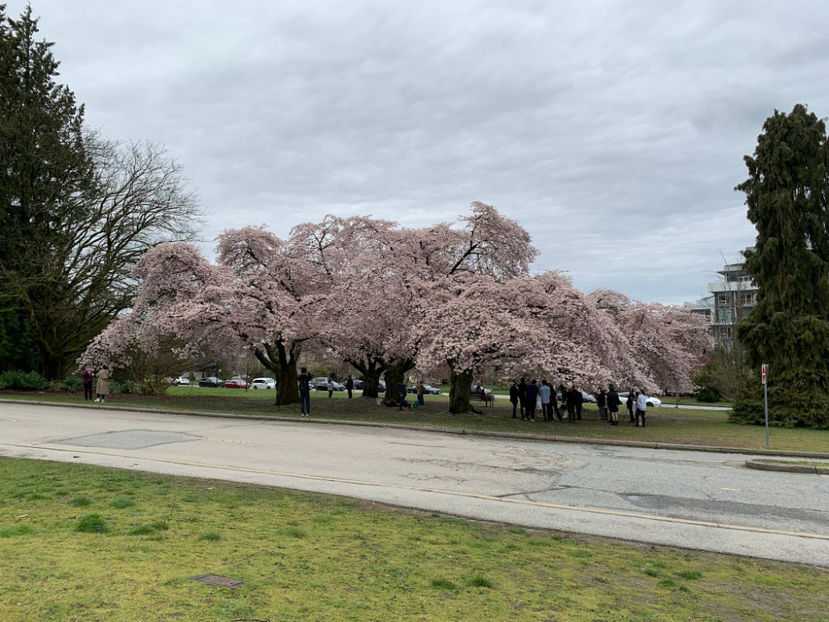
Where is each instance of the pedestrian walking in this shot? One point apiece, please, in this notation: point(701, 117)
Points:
point(420, 391)
point(349, 385)
point(330, 388)
point(629, 404)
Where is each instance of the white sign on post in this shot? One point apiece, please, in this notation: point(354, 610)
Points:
point(763, 371)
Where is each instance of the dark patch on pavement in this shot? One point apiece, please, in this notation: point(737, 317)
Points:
point(128, 439)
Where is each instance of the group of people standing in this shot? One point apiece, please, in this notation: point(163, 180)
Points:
point(529, 397)
point(101, 379)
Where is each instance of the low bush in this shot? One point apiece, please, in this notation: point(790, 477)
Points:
point(708, 394)
point(72, 384)
point(22, 381)
point(130, 387)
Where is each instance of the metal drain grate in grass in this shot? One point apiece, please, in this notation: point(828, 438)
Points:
point(212, 579)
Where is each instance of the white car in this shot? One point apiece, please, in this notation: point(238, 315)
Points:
point(182, 381)
point(263, 383)
point(653, 402)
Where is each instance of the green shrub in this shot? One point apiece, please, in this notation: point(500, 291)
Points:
point(708, 394)
point(72, 384)
point(22, 381)
point(130, 387)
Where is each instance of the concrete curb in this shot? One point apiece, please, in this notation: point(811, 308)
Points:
point(770, 465)
point(459, 431)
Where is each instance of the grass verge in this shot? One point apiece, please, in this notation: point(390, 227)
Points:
point(312, 557)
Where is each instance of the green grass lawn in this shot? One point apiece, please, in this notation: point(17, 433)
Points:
point(89, 543)
point(665, 424)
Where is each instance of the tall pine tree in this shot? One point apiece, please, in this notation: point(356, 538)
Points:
point(44, 170)
point(76, 212)
point(787, 193)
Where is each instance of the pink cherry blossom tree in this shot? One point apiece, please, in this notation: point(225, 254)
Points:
point(665, 341)
point(521, 326)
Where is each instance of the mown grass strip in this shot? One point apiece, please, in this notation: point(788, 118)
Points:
point(313, 557)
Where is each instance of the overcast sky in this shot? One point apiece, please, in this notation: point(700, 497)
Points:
point(614, 132)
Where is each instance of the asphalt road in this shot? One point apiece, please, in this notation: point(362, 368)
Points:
point(698, 500)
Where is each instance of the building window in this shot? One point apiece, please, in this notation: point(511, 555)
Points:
point(724, 316)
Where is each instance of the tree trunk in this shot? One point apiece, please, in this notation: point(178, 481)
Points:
point(395, 374)
point(287, 391)
point(282, 362)
point(460, 385)
point(370, 369)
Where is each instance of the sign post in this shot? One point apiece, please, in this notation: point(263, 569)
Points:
point(764, 370)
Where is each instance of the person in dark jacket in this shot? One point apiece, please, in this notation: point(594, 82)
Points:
point(401, 398)
point(531, 396)
point(522, 396)
point(563, 391)
point(349, 385)
point(554, 403)
point(513, 397)
point(303, 382)
point(601, 402)
point(629, 404)
point(574, 402)
point(87, 376)
point(613, 403)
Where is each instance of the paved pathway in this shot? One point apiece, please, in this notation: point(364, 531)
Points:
point(707, 501)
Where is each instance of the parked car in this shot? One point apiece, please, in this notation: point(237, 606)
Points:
point(586, 397)
point(358, 384)
point(652, 402)
point(320, 383)
point(237, 382)
point(589, 397)
point(427, 389)
point(211, 381)
point(181, 381)
point(263, 383)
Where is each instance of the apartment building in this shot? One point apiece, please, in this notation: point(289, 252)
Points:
point(734, 296)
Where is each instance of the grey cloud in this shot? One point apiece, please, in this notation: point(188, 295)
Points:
point(614, 132)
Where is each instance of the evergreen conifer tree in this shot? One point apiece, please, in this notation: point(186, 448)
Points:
point(76, 212)
point(786, 193)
